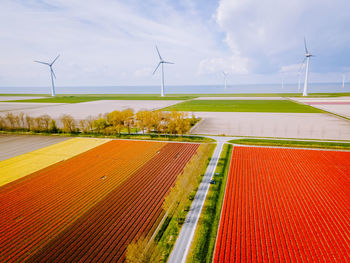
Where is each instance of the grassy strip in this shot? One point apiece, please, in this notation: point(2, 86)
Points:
point(155, 137)
point(86, 98)
point(177, 204)
point(287, 143)
point(167, 240)
point(285, 106)
point(203, 244)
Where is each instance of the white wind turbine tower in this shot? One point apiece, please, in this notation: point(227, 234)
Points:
point(343, 81)
point(161, 62)
point(307, 58)
point(299, 74)
point(52, 74)
point(225, 78)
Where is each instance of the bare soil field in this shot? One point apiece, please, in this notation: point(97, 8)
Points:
point(328, 99)
point(92, 108)
point(284, 125)
point(14, 145)
point(340, 109)
point(339, 105)
point(24, 106)
point(7, 98)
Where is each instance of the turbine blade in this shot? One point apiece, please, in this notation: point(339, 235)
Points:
point(42, 62)
point(54, 60)
point(157, 68)
point(306, 51)
point(167, 62)
point(53, 73)
point(160, 57)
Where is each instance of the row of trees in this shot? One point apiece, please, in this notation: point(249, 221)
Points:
point(115, 122)
point(175, 206)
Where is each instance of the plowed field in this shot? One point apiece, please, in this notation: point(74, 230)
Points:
point(286, 205)
point(22, 165)
point(90, 206)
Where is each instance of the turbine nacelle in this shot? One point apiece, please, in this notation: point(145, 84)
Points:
point(308, 55)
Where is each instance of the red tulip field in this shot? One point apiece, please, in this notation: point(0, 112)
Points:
point(90, 207)
point(286, 205)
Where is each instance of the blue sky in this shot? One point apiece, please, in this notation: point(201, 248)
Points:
point(111, 42)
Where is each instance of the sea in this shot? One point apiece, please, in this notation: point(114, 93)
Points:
point(182, 89)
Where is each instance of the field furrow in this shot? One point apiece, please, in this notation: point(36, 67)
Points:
point(290, 206)
point(128, 212)
point(22, 165)
point(35, 210)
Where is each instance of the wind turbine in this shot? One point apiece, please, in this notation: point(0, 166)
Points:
point(225, 78)
point(161, 62)
point(343, 81)
point(53, 94)
point(307, 58)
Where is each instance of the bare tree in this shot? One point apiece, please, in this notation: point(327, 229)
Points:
point(45, 120)
point(29, 122)
point(68, 123)
point(21, 119)
point(90, 123)
point(2, 123)
point(11, 120)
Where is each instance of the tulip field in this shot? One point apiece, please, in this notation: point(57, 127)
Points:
point(24, 164)
point(285, 205)
point(91, 206)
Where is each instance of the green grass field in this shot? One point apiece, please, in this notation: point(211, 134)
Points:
point(284, 106)
point(86, 98)
point(289, 143)
point(76, 98)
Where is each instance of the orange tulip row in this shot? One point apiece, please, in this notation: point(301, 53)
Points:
point(285, 205)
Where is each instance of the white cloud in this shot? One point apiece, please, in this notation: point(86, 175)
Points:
point(292, 69)
point(103, 42)
point(233, 65)
point(111, 42)
point(143, 72)
point(270, 32)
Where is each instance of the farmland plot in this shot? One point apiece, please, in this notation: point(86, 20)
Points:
point(30, 162)
point(117, 183)
point(286, 205)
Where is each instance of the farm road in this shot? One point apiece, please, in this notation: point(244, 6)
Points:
point(185, 237)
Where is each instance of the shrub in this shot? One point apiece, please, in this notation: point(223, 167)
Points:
point(53, 128)
point(99, 125)
point(143, 251)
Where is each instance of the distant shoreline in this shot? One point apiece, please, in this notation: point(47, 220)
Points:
point(180, 89)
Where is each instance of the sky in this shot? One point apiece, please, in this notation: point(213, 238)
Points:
point(112, 42)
